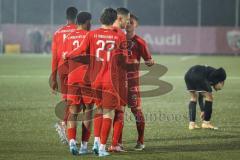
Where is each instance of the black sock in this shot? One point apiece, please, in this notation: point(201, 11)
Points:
point(208, 110)
point(200, 102)
point(192, 111)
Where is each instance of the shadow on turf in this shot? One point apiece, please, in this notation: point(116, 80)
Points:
point(233, 145)
point(188, 138)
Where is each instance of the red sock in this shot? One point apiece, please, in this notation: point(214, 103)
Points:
point(85, 133)
point(120, 139)
point(106, 127)
point(97, 124)
point(66, 114)
point(140, 123)
point(71, 133)
point(117, 127)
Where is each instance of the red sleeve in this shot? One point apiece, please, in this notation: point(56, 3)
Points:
point(144, 51)
point(54, 57)
point(82, 49)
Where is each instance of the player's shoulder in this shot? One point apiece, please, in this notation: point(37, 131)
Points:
point(77, 34)
point(66, 28)
point(84, 31)
point(58, 30)
point(68, 37)
point(80, 32)
point(91, 32)
point(99, 31)
point(119, 31)
point(69, 27)
point(139, 39)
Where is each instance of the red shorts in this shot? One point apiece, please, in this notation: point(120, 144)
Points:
point(74, 95)
point(106, 97)
point(87, 94)
point(134, 98)
point(79, 94)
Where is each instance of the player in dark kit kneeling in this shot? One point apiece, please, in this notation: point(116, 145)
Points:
point(200, 80)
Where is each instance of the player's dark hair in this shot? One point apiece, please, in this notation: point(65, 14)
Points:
point(83, 17)
point(71, 13)
point(122, 11)
point(219, 75)
point(108, 16)
point(134, 17)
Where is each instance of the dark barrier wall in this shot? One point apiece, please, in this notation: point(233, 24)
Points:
point(182, 13)
point(150, 12)
point(218, 13)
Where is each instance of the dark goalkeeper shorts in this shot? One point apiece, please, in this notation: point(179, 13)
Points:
point(196, 83)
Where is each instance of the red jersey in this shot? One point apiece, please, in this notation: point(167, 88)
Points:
point(57, 43)
point(122, 72)
point(73, 41)
point(139, 49)
point(119, 31)
point(102, 45)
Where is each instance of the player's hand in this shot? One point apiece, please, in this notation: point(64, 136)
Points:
point(64, 55)
point(133, 61)
point(54, 87)
point(149, 63)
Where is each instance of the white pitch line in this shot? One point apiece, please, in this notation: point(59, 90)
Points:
point(182, 77)
point(47, 76)
point(24, 76)
point(185, 58)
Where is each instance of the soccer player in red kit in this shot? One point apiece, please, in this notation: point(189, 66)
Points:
point(76, 102)
point(123, 17)
point(59, 67)
point(107, 54)
point(138, 49)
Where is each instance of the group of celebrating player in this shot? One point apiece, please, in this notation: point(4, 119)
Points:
point(97, 73)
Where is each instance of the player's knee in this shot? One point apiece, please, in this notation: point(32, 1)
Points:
point(138, 114)
point(99, 110)
point(108, 113)
point(193, 97)
point(135, 109)
point(89, 108)
point(121, 109)
point(119, 115)
point(209, 97)
point(73, 109)
point(73, 114)
point(88, 115)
